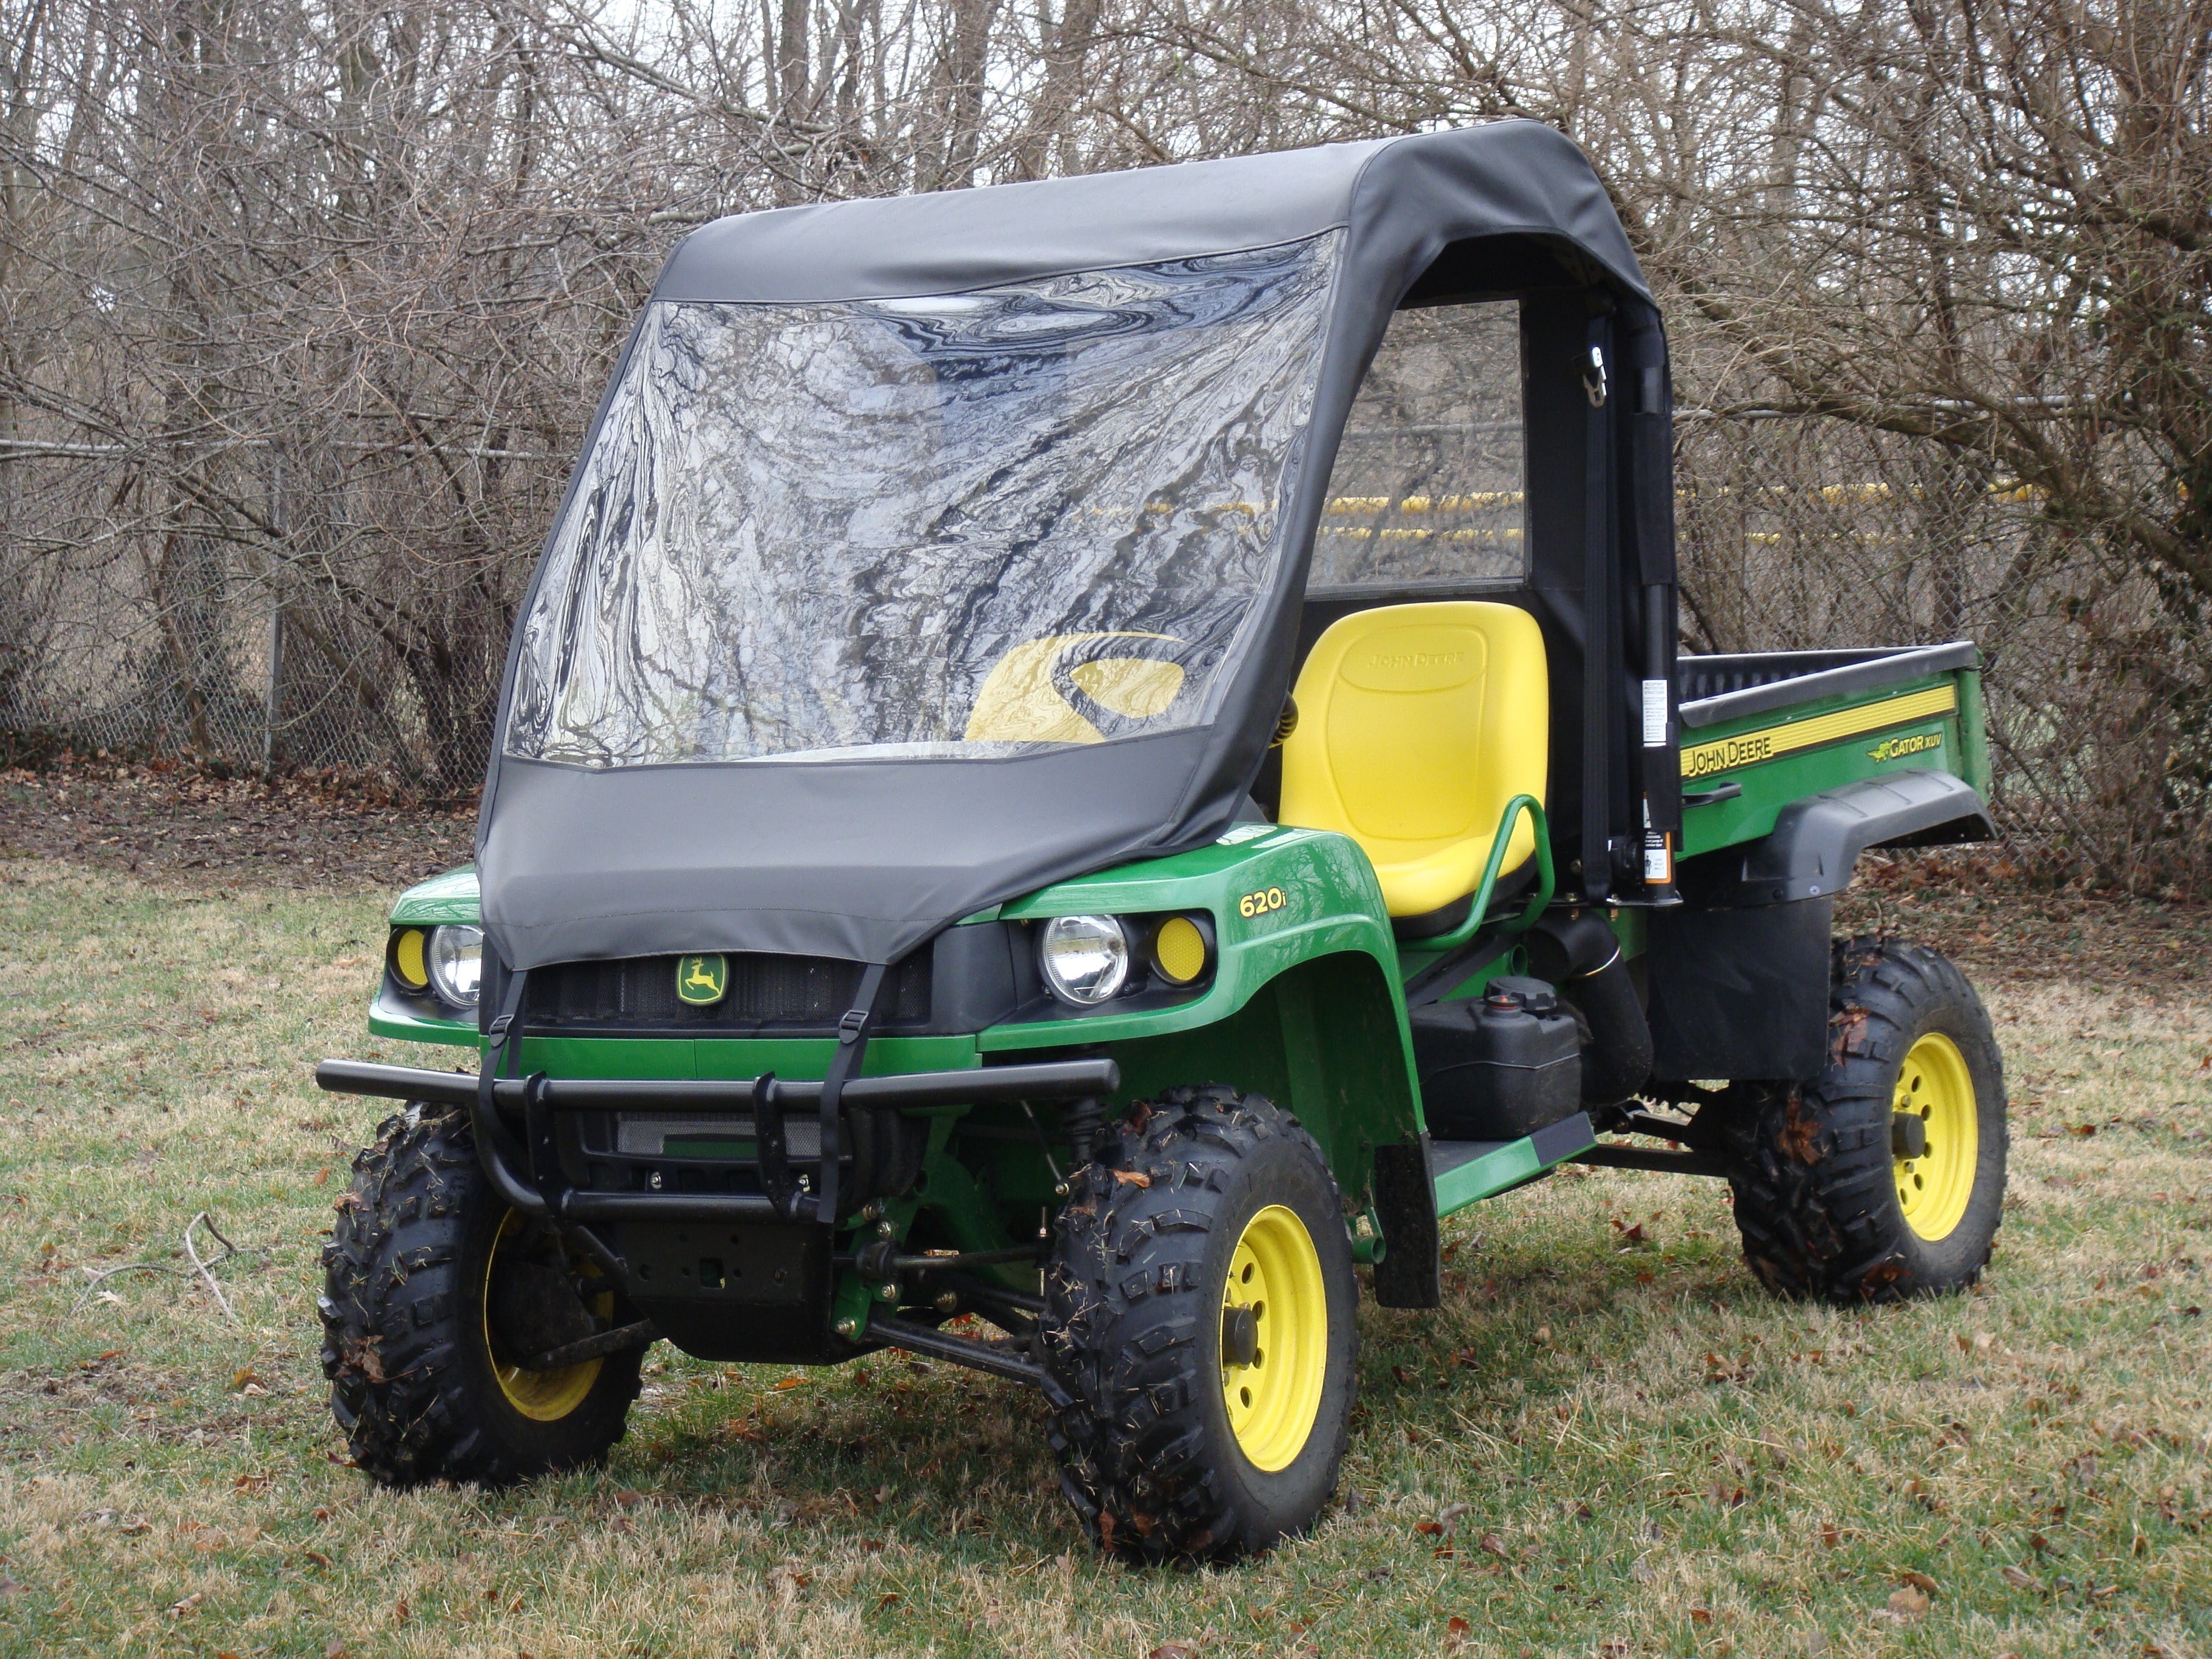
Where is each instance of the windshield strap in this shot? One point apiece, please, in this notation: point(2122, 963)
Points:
point(851, 1048)
point(502, 1052)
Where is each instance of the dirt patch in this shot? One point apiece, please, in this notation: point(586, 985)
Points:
point(165, 824)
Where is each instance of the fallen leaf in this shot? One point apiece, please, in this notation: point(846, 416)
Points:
point(1701, 1615)
point(630, 1500)
point(2020, 1579)
point(1428, 1529)
point(1457, 1627)
point(245, 1376)
point(1174, 1651)
point(334, 1649)
point(322, 1175)
point(1908, 1604)
point(790, 1382)
point(888, 1599)
point(1489, 1541)
point(1831, 1535)
point(1919, 1581)
point(188, 1603)
point(318, 1558)
point(1132, 1178)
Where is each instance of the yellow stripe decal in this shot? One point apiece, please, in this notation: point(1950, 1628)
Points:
point(1750, 748)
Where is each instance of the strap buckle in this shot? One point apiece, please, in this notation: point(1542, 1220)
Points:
point(850, 1027)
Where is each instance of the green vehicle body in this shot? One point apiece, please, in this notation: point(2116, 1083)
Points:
point(1304, 1004)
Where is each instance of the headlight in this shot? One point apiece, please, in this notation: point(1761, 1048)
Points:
point(1085, 959)
point(456, 961)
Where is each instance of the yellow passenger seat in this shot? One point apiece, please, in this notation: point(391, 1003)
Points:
point(1417, 723)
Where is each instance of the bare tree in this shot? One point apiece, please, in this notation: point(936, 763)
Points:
point(305, 305)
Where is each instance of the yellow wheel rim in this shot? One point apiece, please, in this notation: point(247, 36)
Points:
point(542, 1396)
point(1934, 1086)
point(1276, 1273)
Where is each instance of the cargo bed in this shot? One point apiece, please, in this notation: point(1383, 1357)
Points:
point(1762, 730)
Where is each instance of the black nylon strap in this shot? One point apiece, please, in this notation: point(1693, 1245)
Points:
point(505, 1042)
point(504, 1049)
point(851, 1048)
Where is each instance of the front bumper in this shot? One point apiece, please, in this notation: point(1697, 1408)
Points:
point(528, 1173)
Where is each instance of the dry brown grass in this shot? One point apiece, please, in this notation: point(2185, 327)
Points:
point(1653, 1457)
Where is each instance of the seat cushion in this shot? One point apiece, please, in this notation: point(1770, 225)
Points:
point(1417, 724)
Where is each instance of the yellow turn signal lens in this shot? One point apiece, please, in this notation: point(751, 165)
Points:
point(408, 965)
point(1180, 950)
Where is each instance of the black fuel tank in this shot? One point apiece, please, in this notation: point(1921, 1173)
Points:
point(1500, 1065)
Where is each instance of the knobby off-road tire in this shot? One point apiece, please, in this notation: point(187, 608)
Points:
point(1828, 1201)
point(414, 1362)
point(1191, 1419)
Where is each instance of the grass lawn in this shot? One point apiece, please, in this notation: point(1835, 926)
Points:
point(1608, 1443)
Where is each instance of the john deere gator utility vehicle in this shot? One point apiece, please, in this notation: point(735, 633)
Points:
point(1086, 759)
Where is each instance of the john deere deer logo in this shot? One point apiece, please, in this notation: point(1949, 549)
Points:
point(702, 980)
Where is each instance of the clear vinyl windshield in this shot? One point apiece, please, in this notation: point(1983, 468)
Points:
point(975, 523)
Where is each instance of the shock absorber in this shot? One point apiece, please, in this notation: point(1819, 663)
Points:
point(1084, 1120)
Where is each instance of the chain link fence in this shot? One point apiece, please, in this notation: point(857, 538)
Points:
point(343, 640)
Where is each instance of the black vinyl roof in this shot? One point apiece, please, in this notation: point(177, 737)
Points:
point(864, 859)
point(1431, 188)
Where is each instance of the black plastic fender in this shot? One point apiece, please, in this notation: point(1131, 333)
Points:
point(1816, 841)
point(1739, 971)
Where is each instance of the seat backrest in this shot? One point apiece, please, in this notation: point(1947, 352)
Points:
point(1417, 724)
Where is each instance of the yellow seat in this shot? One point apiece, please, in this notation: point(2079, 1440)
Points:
point(1417, 724)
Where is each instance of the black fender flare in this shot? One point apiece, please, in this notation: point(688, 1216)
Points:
point(1816, 841)
point(1739, 971)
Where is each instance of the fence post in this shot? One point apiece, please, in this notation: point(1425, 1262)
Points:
point(269, 703)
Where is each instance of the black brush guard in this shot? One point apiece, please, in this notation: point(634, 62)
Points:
point(528, 1176)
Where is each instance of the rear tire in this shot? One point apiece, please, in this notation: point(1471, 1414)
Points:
point(1828, 1199)
point(1198, 1331)
point(422, 1372)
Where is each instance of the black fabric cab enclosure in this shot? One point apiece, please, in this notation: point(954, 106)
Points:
point(927, 551)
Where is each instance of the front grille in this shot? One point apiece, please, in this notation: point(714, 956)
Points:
point(798, 995)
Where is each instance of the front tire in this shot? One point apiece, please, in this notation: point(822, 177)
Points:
point(1885, 1178)
point(1198, 1331)
point(433, 1290)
